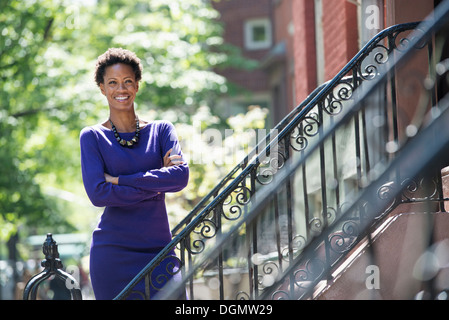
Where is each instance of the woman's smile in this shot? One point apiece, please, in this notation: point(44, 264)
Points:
point(122, 98)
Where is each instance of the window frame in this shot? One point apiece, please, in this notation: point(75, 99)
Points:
point(249, 41)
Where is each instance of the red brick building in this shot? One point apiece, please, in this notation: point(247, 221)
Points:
point(303, 43)
point(236, 15)
point(248, 26)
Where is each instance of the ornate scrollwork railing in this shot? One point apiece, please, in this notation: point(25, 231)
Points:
point(404, 174)
point(228, 206)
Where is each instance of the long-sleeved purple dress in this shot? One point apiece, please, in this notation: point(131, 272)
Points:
point(134, 225)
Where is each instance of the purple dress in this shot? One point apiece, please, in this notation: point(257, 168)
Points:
point(134, 225)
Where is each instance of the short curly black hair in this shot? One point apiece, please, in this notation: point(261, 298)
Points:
point(117, 55)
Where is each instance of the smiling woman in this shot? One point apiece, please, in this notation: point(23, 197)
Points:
point(127, 167)
point(118, 73)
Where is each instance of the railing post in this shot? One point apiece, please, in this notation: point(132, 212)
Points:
point(52, 266)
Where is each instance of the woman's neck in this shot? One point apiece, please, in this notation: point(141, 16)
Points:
point(124, 122)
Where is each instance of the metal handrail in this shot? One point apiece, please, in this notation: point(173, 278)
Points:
point(413, 169)
point(320, 96)
point(297, 114)
point(281, 125)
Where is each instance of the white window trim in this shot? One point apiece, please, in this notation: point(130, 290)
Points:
point(319, 41)
point(250, 44)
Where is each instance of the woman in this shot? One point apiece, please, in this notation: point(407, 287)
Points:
point(128, 164)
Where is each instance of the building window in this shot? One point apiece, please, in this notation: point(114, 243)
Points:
point(257, 34)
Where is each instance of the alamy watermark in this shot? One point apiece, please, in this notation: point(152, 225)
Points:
point(372, 20)
point(221, 147)
point(372, 281)
point(74, 271)
point(73, 17)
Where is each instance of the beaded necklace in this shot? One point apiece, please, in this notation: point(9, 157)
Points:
point(123, 142)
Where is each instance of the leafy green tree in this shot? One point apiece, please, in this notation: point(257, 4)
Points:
point(48, 50)
point(25, 29)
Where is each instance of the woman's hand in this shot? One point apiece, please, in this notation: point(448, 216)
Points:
point(172, 160)
point(111, 179)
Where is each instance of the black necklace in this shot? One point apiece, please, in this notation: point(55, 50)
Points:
point(123, 142)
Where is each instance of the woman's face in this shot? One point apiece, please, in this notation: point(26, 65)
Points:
point(120, 86)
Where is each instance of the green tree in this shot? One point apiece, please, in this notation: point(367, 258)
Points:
point(48, 50)
point(25, 29)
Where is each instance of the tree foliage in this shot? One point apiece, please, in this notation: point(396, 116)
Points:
point(25, 29)
point(48, 50)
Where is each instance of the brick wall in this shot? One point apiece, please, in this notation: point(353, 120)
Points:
point(402, 11)
point(304, 49)
point(340, 33)
point(233, 15)
point(283, 33)
point(340, 39)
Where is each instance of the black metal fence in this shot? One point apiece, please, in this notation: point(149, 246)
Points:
point(52, 267)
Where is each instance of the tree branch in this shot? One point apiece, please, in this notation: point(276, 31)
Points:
point(31, 112)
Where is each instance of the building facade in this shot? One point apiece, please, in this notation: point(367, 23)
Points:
point(300, 44)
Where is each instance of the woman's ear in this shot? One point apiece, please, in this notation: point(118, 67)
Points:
point(102, 89)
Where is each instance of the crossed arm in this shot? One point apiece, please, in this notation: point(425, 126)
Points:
point(168, 162)
point(106, 190)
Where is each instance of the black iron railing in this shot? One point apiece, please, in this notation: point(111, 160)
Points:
point(52, 267)
point(381, 184)
point(245, 236)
